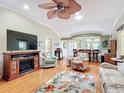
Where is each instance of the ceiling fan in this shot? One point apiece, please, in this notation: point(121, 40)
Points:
point(61, 8)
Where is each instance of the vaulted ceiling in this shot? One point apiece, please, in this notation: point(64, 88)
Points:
point(95, 15)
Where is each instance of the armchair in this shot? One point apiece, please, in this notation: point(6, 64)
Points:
point(83, 57)
point(48, 61)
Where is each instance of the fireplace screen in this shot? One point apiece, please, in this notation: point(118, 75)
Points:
point(26, 65)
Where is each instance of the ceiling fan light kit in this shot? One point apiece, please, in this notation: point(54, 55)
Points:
point(61, 8)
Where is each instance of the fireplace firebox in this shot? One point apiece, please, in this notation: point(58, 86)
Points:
point(26, 65)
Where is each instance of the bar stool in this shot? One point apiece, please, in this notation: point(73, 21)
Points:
point(81, 50)
point(89, 53)
point(75, 52)
point(95, 54)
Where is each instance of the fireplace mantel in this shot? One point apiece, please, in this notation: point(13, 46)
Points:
point(13, 60)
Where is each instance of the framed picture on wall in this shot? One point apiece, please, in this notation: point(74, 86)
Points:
point(105, 43)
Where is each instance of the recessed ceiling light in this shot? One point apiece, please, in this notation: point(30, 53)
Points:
point(78, 17)
point(26, 7)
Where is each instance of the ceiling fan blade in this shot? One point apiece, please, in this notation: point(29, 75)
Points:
point(63, 15)
point(73, 7)
point(64, 2)
point(47, 5)
point(51, 14)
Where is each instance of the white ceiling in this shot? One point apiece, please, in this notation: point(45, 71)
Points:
point(97, 15)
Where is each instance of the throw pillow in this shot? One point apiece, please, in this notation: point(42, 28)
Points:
point(121, 68)
point(43, 55)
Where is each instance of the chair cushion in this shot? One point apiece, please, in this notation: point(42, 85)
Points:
point(50, 61)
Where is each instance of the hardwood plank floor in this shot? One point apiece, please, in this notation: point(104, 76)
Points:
point(29, 82)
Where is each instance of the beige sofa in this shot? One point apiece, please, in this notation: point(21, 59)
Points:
point(111, 80)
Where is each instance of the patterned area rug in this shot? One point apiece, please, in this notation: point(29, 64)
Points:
point(69, 82)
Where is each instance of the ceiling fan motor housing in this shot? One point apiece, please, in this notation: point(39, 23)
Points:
point(60, 7)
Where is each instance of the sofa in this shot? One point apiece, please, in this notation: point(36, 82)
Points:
point(112, 81)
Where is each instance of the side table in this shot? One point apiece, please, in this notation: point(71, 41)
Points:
point(117, 60)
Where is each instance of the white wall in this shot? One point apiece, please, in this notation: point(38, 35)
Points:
point(14, 21)
point(103, 38)
point(119, 35)
point(117, 23)
point(120, 41)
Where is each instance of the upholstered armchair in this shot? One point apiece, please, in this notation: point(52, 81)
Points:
point(83, 57)
point(48, 61)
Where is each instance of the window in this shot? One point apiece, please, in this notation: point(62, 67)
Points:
point(95, 45)
point(85, 42)
point(90, 42)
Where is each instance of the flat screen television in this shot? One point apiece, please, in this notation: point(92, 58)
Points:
point(21, 41)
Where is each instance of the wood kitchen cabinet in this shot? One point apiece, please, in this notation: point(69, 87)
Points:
point(112, 46)
point(108, 56)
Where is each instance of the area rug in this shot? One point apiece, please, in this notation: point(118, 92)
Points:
point(69, 82)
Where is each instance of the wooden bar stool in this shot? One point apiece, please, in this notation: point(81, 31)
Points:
point(81, 50)
point(75, 52)
point(89, 53)
point(95, 54)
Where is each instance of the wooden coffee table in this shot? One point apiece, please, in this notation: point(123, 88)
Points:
point(117, 60)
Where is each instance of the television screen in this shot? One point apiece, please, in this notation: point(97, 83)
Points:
point(21, 41)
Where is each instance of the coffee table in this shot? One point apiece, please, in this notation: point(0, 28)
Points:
point(117, 60)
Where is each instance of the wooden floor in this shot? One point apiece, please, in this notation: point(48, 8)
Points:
point(29, 82)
